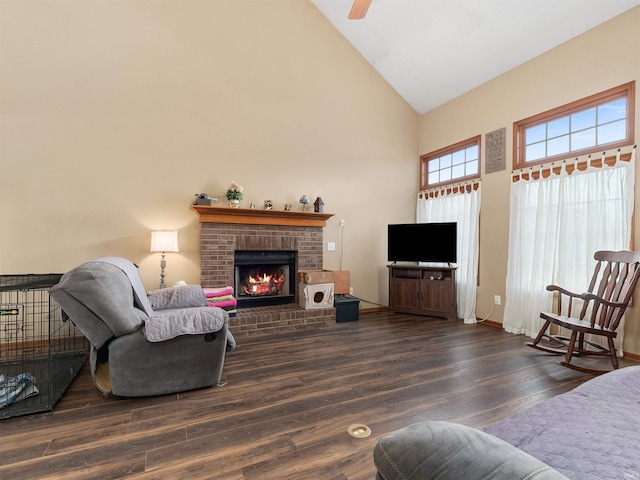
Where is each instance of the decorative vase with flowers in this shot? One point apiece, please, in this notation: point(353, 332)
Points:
point(234, 195)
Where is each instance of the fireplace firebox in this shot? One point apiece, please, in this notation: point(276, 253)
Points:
point(264, 277)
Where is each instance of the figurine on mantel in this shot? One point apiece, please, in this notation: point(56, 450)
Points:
point(318, 205)
point(304, 201)
point(204, 199)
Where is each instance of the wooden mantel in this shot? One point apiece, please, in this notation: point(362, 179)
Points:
point(250, 216)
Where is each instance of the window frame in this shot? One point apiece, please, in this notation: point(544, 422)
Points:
point(626, 90)
point(464, 144)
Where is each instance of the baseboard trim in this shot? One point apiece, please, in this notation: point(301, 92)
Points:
point(491, 323)
point(374, 309)
point(632, 356)
point(31, 349)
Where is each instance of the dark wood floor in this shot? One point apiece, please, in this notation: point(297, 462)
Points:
point(289, 400)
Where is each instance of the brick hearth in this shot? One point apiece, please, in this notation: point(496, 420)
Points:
point(280, 318)
point(219, 241)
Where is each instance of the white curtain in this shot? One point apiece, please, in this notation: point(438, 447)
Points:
point(462, 207)
point(556, 225)
point(532, 237)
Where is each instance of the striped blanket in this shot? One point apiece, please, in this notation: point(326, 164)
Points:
point(223, 298)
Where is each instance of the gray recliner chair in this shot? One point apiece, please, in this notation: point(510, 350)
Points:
point(142, 344)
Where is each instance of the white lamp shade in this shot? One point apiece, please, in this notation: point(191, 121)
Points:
point(164, 241)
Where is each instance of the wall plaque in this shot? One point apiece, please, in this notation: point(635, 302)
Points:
point(495, 150)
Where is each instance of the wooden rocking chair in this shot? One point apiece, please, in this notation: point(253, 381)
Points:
point(615, 278)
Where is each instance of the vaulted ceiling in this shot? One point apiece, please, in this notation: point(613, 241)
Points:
point(431, 51)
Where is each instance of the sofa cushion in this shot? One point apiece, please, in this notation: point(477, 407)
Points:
point(435, 450)
point(589, 433)
point(98, 298)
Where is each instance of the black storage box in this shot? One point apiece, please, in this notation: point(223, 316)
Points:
point(347, 308)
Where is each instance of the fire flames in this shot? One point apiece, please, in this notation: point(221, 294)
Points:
point(265, 284)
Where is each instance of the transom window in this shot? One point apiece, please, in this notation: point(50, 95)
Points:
point(451, 164)
point(604, 120)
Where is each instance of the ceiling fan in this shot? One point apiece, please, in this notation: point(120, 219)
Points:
point(359, 9)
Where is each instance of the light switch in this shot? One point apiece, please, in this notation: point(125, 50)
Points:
point(331, 246)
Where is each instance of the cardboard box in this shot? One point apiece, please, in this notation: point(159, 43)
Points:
point(314, 277)
point(342, 282)
point(315, 296)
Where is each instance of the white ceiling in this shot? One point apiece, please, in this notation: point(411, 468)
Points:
point(432, 51)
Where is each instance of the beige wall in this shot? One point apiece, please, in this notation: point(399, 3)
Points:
point(114, 114)
point(603, 57)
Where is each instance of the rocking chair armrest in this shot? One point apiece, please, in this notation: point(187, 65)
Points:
point(587, 297)
point(556, 288)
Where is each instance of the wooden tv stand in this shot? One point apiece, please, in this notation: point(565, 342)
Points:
point(423, 290)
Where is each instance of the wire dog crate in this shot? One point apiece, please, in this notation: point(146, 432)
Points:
point(40, 351)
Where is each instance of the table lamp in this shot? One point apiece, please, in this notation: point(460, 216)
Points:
point(164, 241)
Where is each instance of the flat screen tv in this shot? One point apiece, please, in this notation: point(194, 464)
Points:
point(423, 242)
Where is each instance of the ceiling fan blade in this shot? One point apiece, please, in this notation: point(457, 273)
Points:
point(359, 9)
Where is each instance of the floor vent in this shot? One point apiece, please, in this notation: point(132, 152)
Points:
point(358, 430)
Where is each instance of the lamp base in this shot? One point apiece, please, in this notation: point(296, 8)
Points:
point(163, 264)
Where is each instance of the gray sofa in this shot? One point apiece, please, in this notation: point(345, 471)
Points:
point(143, 344)
point(589, 433)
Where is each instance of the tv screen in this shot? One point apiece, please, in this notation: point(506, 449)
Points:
point(423, 242)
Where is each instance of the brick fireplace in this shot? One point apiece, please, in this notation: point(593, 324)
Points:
point(225, 231)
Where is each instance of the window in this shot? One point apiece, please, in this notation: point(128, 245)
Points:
point(601, 121)
point(451, 164)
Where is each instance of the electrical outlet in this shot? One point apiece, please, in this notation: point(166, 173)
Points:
point(497, 300)
point(342, 222)
point(350, 290)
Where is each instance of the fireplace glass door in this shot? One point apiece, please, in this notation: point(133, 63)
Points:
point(264, 277)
